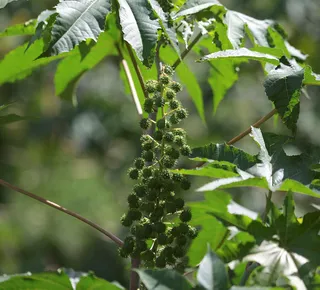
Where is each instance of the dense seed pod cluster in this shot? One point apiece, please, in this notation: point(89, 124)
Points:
point(153, 202)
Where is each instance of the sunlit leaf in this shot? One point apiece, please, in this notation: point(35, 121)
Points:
point(165, 279)
point(241, 54)
point(283, 87)
point(27, 28)
point(140, 28)
point(212, 273)
point(77, 21)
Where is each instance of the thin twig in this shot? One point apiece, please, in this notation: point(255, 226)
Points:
point(131, 82)
point(255, 125)
point(134, 277)
point(137, 69)
point(60, 208)
point(187, 50)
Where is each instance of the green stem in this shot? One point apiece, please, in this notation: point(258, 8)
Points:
point(186, 51)
point(111, 236)
point(250, 267)
point(268, 206)
point(137, 70)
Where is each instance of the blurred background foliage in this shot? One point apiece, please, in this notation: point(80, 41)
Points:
point(78, 156)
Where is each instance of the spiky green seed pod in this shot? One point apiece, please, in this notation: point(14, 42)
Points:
point(160, 262)
point(173, 153)
point(175, 231)
point(179, 132)
point(165, 174)
point(168, 70)
point(183, 228)
point(152, 195)
point(140, 190)
point(145, 138)
point(133, 173)
point(145, 123)
point(181, 240)
point(168, 137)
point(133, 201)
point(175, 86)
point(141, 245)
point(185, 184)
point(177, 177)
point(134, 214)
point(168, 162)
point(162, 239)
point(148, 145)
point(161, 124)
point(148, 105)
point(164, 79)
point(126, 221)
point(123, 253)
point(148, 156)
point(185, 150)
point(139, 163)
point(182, 113)
point(174, 119)
point(158, 135)
point(170, 94)
point(179, 141)
point(179, 203)
point(178, 252)
point(148, 207)
point(152, 86)
point(185, 216)
point(192, 233)
point(170, 207)
point(174, 104)
point(159, 227)
point(147, 255)
point(159, 101)
point(146, 172)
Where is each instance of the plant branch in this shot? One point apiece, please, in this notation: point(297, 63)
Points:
point(187, 50)
point(137, 69)
point(256, 125)
point(131, 82)
point(111, 236)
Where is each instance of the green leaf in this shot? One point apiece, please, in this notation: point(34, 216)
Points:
point(255, 288)
point(213, 169)
point(77, 21)
point(224, 152)
point(3, 3)
point(242, 54)
point(94, 283)
point(188, 79)
point(195, 6)
point(11, 118)
point(18, 64)
point(310, 78)
point(212, 274)
point(43, 281)
point(164, 279)
point(238, 24)
point(140, 28)
point(283, 87)
point(27, 28)
point(286, 244)
point(71, 69)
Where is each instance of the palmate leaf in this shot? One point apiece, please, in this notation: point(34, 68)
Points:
point(241, 54)
point(140, 28)
point(27, 28)
point(272, 169)
point(164, 279)
point(195, 6)
point(283, 87)
point(3, 3)
point(213, 216)
point(212, 273)
point(71, 69)
point(288, 244)
point(77, 20)
point(63, 279)
point(19, 63)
